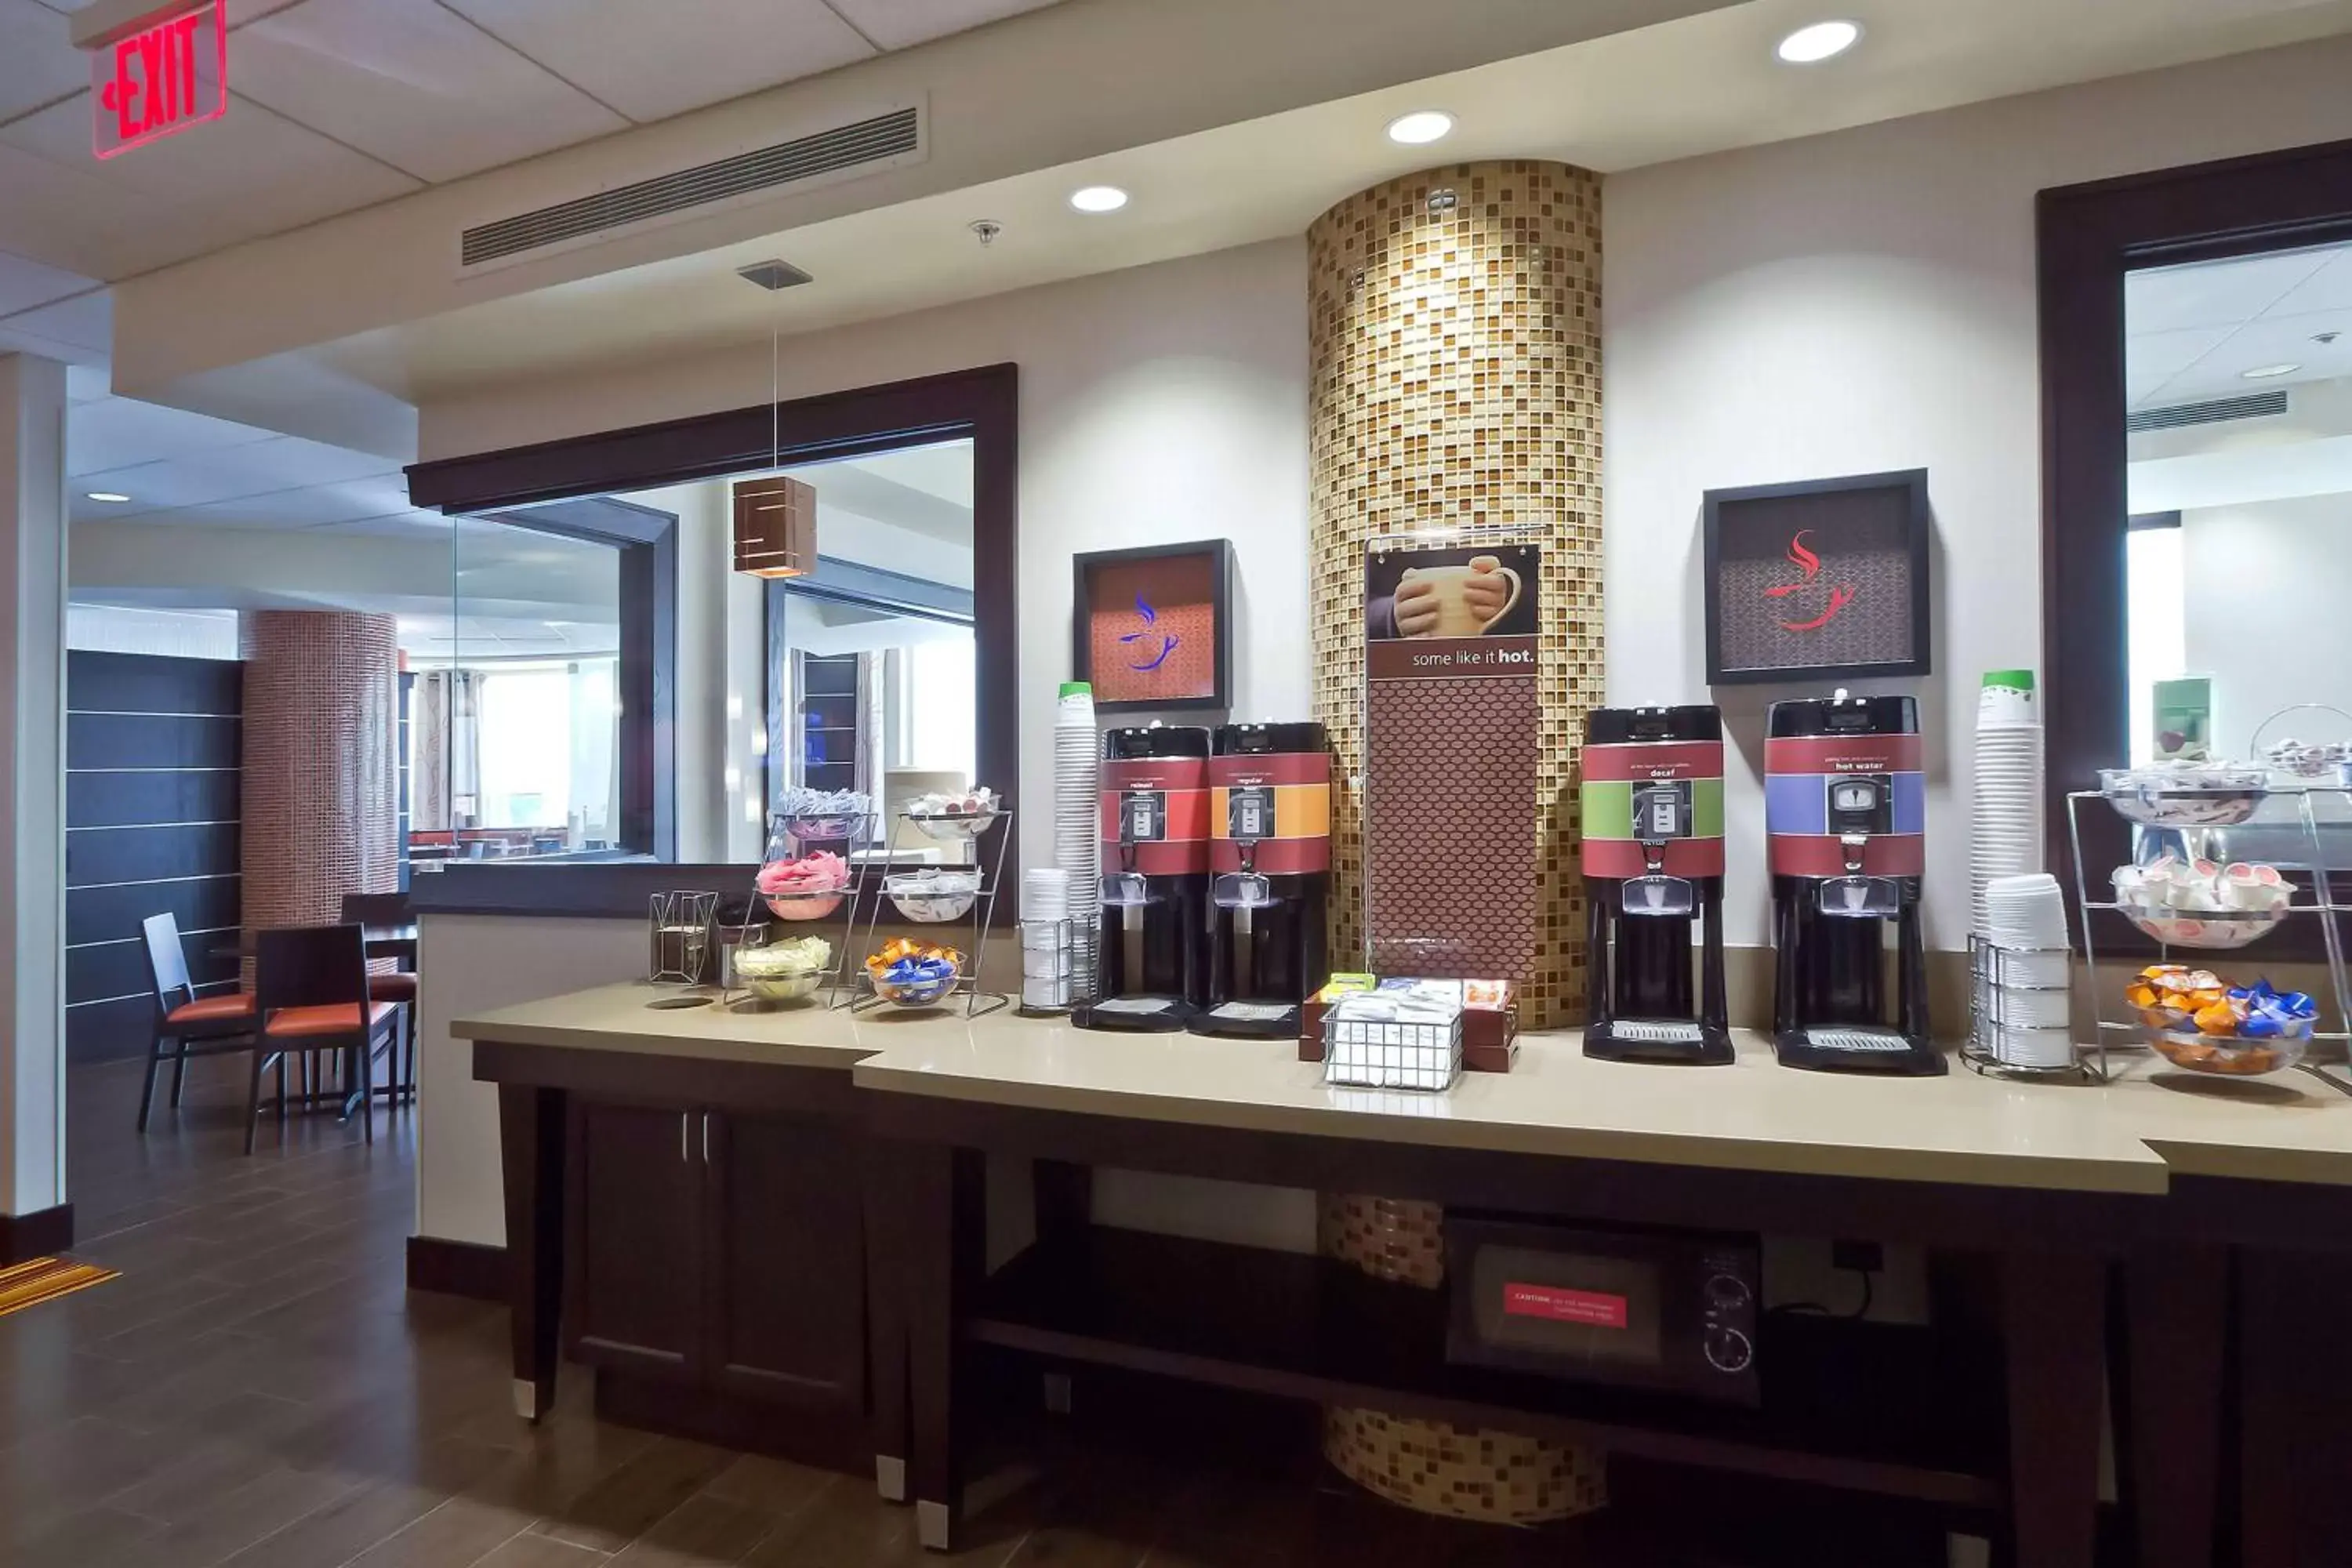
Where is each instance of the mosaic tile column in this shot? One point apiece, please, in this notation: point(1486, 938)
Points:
point(321, 770)
point(1454, 347)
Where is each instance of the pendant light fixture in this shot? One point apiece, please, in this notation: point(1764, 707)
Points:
point(775, 515)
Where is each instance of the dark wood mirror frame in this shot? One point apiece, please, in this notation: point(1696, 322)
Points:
point(2087, 237)
point(981, 404)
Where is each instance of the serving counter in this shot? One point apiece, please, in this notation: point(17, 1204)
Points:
point(876, 1123)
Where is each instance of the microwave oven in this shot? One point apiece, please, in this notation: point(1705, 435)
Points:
point(1672, 1311)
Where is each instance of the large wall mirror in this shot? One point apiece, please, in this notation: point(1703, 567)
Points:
point(2197, 409)
point(662, 712)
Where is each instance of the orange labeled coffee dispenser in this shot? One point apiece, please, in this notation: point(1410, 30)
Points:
point(1152, 968)
point(1269, 875)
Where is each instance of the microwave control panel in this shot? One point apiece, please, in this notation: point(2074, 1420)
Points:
point(1727, 1334)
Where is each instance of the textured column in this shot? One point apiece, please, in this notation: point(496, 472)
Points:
point(1456, 366)
point(1456, 381)
point(32, 803)
point(321, 777)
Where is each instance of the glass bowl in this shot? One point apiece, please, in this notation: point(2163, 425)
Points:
point(2149, 799)
point(2238, 1056)
point(791, 986)
point(961, 827)
point(823, 829)
point(809, 906)
point(930, 898)
point(915, 994)
point(2217, 931)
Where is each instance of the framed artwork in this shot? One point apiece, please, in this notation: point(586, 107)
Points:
point(1152, 627)
point(1827, 578)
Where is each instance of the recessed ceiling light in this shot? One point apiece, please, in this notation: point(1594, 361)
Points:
point(1421, 127)
point(108, 496)
point(1821, 41)
point(2265, 371)
point(1098, 198)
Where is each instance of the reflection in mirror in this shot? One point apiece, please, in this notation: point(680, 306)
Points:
point(514, 716)
point(2238, 393)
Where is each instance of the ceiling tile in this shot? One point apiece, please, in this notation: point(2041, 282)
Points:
point(2211, 293)
point(413, 83)
point(895, 24)
point(62, 213)
point(653, 62)
point(37, 60)
point(2329, 289)
point(2280, 341)
point(316, 506)
point(120, 432)
point(395, 525)
point(249, 174)
point(86, 320)
point(25, 283)
point(261, 468)
point(2161, 355)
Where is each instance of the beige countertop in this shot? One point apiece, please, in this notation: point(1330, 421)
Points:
point(2129, 1136)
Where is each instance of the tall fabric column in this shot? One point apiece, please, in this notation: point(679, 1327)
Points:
point(1454, 350)
point(321, 772)
point(35, 1218)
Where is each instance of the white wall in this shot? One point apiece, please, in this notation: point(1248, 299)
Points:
point(2296, 556)
point(1864, 302)
point(1157, 405)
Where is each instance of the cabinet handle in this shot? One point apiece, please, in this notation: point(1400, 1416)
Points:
point(683, 1118)
point(706, 1138)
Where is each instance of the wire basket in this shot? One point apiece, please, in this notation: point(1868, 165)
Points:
point(2015, 993)
point(681, 928)
point(1375, 1052)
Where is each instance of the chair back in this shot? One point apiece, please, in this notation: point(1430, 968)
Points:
point(167, 961)
point(376, 909)
point(310, 966)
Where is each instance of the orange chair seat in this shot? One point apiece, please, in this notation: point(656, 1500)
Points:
point(343, 1019)
point(400, 986)
point(212, 1009)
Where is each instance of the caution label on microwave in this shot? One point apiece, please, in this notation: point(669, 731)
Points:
point(1560, 1304)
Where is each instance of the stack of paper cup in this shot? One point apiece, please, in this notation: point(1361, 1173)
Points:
point(2005, 839)
point(1078, 820)
point(2026, 992)
point(1045, 944)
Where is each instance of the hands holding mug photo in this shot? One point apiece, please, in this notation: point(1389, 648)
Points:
point(1455, 600)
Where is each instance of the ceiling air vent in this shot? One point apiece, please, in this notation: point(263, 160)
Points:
point(2213, 410)
point(864, 146)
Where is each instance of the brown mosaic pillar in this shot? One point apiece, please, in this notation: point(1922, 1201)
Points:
point(321, 777)
point(1454, 347)
point(1455, 380)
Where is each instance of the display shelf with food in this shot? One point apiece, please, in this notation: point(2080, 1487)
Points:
point(2179, 896)
point(908, 973)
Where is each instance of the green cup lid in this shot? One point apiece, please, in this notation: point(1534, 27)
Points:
point(1078, 689)
point(2020, 679)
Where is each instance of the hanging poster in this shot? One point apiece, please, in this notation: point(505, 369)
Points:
point(1450, 751)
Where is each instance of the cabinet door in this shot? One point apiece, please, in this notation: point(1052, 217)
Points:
point(633, 1243)
point(786, 1288)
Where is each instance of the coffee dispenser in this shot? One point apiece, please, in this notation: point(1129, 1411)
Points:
point(1269, 875)
point(1150, 968)
point(1845, 808)
point(1653, 808)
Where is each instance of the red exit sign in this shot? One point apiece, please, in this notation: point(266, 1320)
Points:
point(160, 78)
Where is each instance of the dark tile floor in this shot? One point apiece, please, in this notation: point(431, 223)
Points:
point(258, 1389)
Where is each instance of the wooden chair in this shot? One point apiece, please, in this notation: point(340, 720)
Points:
point(196, 1025)
point(310, 986)
point(398, 987)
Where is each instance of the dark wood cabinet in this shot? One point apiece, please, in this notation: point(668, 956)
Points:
point(785, 1312)
point(716, 1250)
point(635, 1251)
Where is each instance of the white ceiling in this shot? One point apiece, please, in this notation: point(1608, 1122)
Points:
point(2193, 332)
point(1699, 84)
point(339, 104)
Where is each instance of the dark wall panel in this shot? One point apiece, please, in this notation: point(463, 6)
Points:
point(122, 800)
point(149, 741)
point(153, 752)
point(150, 854)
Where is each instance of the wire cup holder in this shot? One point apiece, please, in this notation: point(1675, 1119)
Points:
point(2011, 1003)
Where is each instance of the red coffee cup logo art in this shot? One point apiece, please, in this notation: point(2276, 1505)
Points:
point(1810, 565)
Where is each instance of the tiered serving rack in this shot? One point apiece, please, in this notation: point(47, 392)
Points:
point(855, 984)
point(2197, 814)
